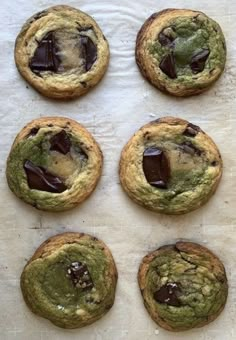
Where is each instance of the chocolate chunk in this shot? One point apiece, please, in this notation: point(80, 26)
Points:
point(39, 179)
point(33, 132)
point(61, 143)
point(191, 130)
point(199, 60)
point(165, 40)
point(167, 66)
point(188, 147)
point(156, 167)
point(89, 52)
point(46, 55)
point(80, 275)
point(168, 294)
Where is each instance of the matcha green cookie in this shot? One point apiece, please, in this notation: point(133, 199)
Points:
point(54, 164)
point(70, 280)
point(170, 166)
point(61, 52)
point(183, 286)
point(181, 52)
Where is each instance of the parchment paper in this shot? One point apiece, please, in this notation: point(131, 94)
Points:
point(113, 111)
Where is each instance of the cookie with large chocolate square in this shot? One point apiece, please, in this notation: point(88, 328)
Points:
point(183, 286)
point(181, 52)
point(54, 164)
point(61, 52)
point(70, 280)
point(170, 166)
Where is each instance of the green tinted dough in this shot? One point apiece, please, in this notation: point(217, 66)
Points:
point(191, 36)
point(203, 292)
point(191, 172)
point(37, 150)
point(50, 292)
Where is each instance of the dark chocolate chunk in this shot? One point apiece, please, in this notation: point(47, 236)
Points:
point(199, 60)
point(33, 132)
point(61, 143)
point(39, 179)
point(167, 65)
point(46, 55)
point(80, 275)
point(188, 147)
point(191, 130)
point(168, 294)
point(156, 167)
point(89, 52)
point(165, 40)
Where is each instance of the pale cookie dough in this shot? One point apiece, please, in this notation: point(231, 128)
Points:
point(54, 164)
point(61, 52)
point(170, 166)
point(181, 52)
point(70, 280)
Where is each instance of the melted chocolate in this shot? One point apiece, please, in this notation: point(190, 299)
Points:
point(164, 39)
point(89, 52)
point(39, 179)
point(167, 65)
point(188, 147)
point(80, 275)
point(61, 143)
point(168, 294)
point(156, 167)
point(46, 55)
point(191, 130)
point(199, 60)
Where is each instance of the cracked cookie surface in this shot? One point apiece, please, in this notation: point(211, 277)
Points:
point(61, 52)
point(170, 166)
point(181, 52)
point(70, 280)
point(54, 164)
point(183, 286)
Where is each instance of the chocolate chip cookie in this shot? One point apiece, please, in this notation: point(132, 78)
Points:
point(70, 280)
point(181, 52)
point(183, 286)
point(170, 166)
point(54, 164)
point(61, 52)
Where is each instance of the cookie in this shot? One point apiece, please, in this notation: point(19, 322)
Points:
point(183, 286)
point(61, 52)
point(181, 52)
point(70, 280)
point(54, 164)
point(170, 166)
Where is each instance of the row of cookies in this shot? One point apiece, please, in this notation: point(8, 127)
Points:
point(169, 166)
point(71, 281)
point(63, 53)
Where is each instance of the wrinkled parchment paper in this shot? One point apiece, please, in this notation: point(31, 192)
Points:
point(113, 111)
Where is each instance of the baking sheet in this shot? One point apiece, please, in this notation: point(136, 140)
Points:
point(118, 106)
